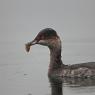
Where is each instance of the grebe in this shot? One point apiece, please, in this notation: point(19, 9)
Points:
point(49, 37)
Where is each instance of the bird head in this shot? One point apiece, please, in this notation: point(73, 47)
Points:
point(46, 37)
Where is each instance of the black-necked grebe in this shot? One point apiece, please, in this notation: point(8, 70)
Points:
point(48, 37)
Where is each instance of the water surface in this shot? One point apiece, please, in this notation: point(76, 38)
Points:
point(26, 74)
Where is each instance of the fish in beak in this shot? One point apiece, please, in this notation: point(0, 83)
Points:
point(29, 44)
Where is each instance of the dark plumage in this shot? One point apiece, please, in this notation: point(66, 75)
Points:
point(48, 37)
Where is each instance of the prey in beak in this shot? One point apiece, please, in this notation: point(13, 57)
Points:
point(29, 44)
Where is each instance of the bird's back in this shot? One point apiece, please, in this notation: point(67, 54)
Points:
point(90, 65)
point(80, 70)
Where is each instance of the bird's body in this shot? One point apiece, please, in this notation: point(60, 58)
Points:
point(83, 70)
point(48, 37)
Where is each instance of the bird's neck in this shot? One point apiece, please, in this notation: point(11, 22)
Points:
point(55, 57)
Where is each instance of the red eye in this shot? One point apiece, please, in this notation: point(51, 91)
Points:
point(42, 37)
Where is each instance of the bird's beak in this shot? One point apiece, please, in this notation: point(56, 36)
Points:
point(29, 44)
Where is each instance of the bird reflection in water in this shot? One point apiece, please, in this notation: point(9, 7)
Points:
point(79, 82)
point(57, 84)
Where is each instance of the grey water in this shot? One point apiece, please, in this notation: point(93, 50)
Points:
point(24, 73)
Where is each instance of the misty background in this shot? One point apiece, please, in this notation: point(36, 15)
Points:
point(74, 21)
point(21, 20)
